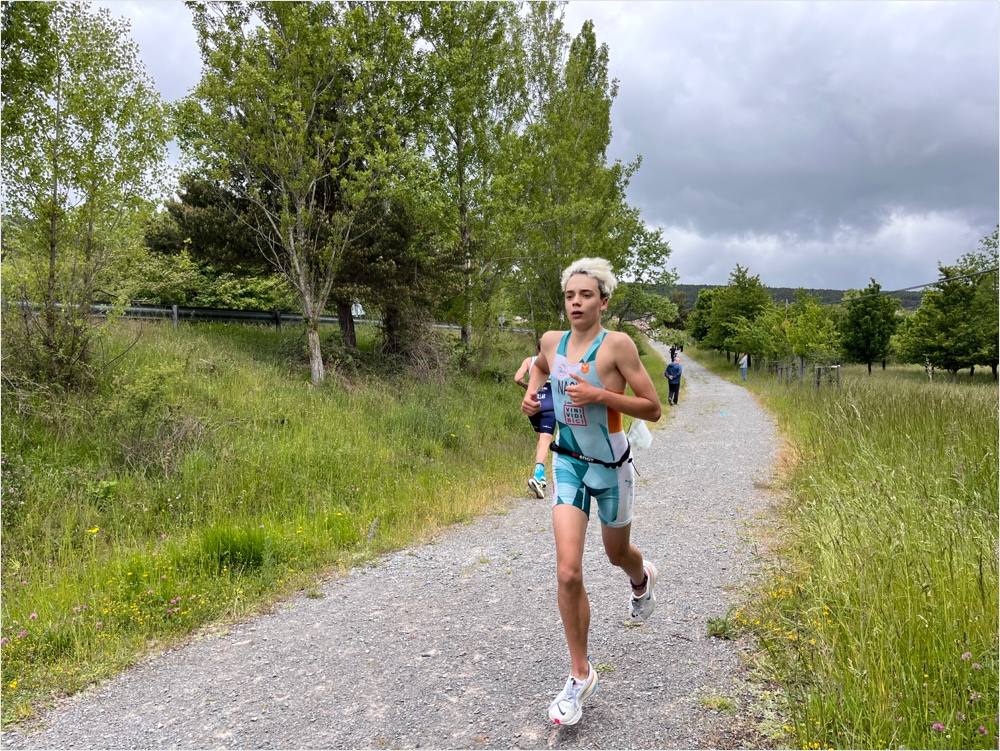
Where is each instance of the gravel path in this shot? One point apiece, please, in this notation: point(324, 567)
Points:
point(458, 643)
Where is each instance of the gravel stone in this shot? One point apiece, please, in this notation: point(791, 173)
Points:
point(458, 643)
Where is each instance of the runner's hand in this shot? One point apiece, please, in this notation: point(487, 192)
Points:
point(530, 404)
point(581, 393)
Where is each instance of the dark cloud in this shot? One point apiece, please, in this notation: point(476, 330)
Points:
point(806, 121)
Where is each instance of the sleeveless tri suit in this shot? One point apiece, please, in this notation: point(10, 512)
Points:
point(591, 430)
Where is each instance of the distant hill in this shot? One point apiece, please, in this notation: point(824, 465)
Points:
point(909, 300)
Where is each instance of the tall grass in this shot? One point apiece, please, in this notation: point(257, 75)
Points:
point(207, 478)
point(880, 617)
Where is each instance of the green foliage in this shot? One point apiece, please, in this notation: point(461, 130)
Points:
point(79, 171)
point(868, 324)
point(733, 308)
point(571, 202)
point(699, 321)
point(210, 223)
point(29, 67)
point(633, 301)
point(179, 279)
point(294, 117)
point(473, 68)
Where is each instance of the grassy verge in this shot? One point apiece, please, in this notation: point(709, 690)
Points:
point(207, 478)
point(880, 616)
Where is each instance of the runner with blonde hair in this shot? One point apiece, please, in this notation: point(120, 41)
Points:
point(589, 369)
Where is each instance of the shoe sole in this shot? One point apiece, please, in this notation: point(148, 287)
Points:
point(536, 487)
point(650, 588)
point(587, 693)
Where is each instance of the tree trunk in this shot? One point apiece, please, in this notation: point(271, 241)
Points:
point(463, 236)
point(883, 364)
point(869, 367)
point(993, 367)
point(345, 318)
point(972, 371)
point(50, 293)
point(315, 355)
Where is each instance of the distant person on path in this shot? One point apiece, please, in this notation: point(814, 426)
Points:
point(673, 352)
point(589, 369)
point(673, 374)
point(743, 366)
point(544, 423)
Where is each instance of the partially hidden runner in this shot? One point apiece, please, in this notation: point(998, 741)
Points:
point(543, 421)
point(588, 369)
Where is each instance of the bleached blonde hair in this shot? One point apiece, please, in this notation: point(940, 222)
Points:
point(597, 268)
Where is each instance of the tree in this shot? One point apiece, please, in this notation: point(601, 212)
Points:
point(744, 297)
point(30, 45)
point(699, 317)
point(474, 70)
point(985, 312)
point(869, 323)
point(633, 301)
point(572, 203)
point(201, 220)
point(292, 116)
point(812, 330)
point(81, 162)
point(943, 330)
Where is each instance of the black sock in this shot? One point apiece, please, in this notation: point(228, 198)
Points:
point(645, 578)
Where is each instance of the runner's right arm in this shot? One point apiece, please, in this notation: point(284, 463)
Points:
point(522, 372)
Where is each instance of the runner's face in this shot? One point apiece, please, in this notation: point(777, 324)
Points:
point(583, 301)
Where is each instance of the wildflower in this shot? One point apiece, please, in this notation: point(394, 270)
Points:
point(21, 634)
point(33, 616)
point(12, 685)
point(976, 666)
point(938, 727)
point(974, 697)
point(981, 730)
point(93, 530)
point(3, 641)
point(960, 717)
point(966, 656)
point(99, 625)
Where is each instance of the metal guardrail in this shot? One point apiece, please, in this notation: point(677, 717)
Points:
point(177, 313)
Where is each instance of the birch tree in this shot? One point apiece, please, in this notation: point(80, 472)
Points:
point(293, 115)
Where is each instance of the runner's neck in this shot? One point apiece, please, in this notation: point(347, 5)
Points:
point(583, 338)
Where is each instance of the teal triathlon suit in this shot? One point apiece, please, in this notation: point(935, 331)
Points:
point(595, 431)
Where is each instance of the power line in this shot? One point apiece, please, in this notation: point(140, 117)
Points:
point(921, 286)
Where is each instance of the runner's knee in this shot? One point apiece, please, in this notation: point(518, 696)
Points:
point(570, 575)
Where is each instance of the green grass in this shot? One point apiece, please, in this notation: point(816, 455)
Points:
point(207, 478)
point(879, 617)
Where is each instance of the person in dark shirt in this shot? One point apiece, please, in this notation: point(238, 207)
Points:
point(673, 374)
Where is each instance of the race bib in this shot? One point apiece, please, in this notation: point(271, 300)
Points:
point(574, 415)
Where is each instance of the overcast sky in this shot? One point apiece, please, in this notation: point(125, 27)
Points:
point(818, 143)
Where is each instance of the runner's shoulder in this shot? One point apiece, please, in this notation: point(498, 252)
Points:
point(620, 341)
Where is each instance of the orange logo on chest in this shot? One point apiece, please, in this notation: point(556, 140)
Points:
point(585, 367)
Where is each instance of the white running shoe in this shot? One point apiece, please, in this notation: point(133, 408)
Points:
point(640, 608)
point(567, 707)
point(537, 487)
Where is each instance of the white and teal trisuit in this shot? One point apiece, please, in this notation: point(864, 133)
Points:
point(595, 431)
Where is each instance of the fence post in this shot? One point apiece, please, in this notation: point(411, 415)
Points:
point(819, 373)
point(173, 314)
point(277, 319)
